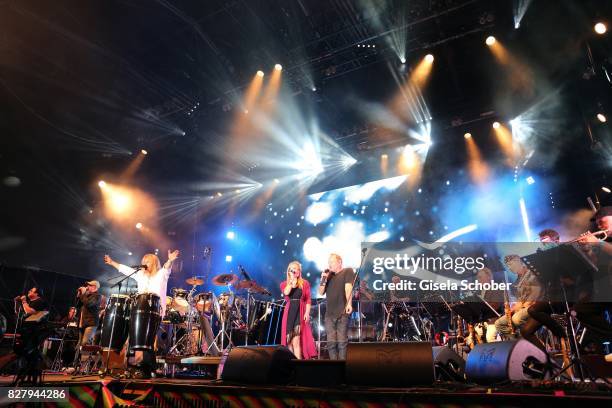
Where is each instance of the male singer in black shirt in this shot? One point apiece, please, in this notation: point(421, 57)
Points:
point(337, 285)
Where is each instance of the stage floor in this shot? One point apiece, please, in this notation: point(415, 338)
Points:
point(93, 391)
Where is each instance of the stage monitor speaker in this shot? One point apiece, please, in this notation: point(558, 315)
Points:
point(505, 360)
point(389, 364)
point(448, 365)
point(257, 365)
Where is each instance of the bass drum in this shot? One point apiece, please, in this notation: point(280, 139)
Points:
point(116, 320)
point(144, 321)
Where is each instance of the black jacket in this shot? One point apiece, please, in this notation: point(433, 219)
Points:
point(90, 309)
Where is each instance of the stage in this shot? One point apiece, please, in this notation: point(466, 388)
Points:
point(164, 392)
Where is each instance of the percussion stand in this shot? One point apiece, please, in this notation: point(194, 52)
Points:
point(57, 361)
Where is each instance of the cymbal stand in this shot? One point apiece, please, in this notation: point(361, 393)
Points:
point(248, 326)
point(225, 316)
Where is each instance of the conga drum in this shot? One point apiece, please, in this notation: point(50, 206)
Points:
point(144, 321)
point(116, 322)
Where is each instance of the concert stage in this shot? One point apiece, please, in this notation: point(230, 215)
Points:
point(162, 392)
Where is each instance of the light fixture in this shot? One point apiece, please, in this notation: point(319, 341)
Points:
point(600, 28)
point(490, 40)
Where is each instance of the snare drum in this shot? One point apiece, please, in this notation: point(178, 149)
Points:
point(116, 320)
point(144, 321)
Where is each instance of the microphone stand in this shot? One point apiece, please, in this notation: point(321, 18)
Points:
point(364, 251)
point(112, 333)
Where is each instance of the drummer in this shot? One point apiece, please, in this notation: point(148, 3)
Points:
point(153, 278)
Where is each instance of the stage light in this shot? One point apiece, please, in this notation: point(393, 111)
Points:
point(384, 156)
point(429, 58)
point(490, 40)
point(101, 183)
point(276, 181)
point(219, 194)
point(230, 235)
point(496, 125)
point(119, 202)
point(143, 151)
point(602, 118)
point(228, 258)
point(278, 67)
point(600, 28)
point(606, 189)
point(313, 89)
point(467, 135)
point(530, 180)
point(138, 225)
point(260, 73)
point(403, 60)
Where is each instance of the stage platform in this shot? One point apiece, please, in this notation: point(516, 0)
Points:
point(93, 391)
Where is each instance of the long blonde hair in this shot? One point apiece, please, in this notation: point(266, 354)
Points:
point(154, 260)
point(298, 266)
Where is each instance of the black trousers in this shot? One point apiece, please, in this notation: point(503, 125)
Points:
point(539, 315)
point(337, 336)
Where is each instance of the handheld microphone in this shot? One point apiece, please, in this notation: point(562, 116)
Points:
point(139, 267)
point(324, 279)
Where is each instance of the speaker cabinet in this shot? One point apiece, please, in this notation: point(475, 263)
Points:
point(389, 364)
point(505, 360)
point(257, 365)
point(448, 365)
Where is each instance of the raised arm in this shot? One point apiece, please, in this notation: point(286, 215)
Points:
point(172, 256)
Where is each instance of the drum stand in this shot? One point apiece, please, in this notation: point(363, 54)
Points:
point(223, 333)
point(187, 338)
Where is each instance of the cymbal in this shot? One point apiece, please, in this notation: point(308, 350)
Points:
point(225, 279)
point(250, 285)
point(194, 281)
point(244, 284)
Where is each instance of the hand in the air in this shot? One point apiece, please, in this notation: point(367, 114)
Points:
point(306, 317)
point(108, 260)
point(172, 255)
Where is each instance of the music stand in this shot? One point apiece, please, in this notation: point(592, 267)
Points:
point(567, 261)
point(474, 309)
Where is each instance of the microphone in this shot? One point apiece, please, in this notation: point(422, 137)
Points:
point(244, 273)
point(324, 279)
point(139, 267)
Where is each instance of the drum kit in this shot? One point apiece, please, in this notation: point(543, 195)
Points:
point(137, 318)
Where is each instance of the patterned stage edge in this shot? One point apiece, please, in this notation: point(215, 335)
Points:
point(159, 393)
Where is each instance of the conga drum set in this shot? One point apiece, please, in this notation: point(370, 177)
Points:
point(137, 320)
